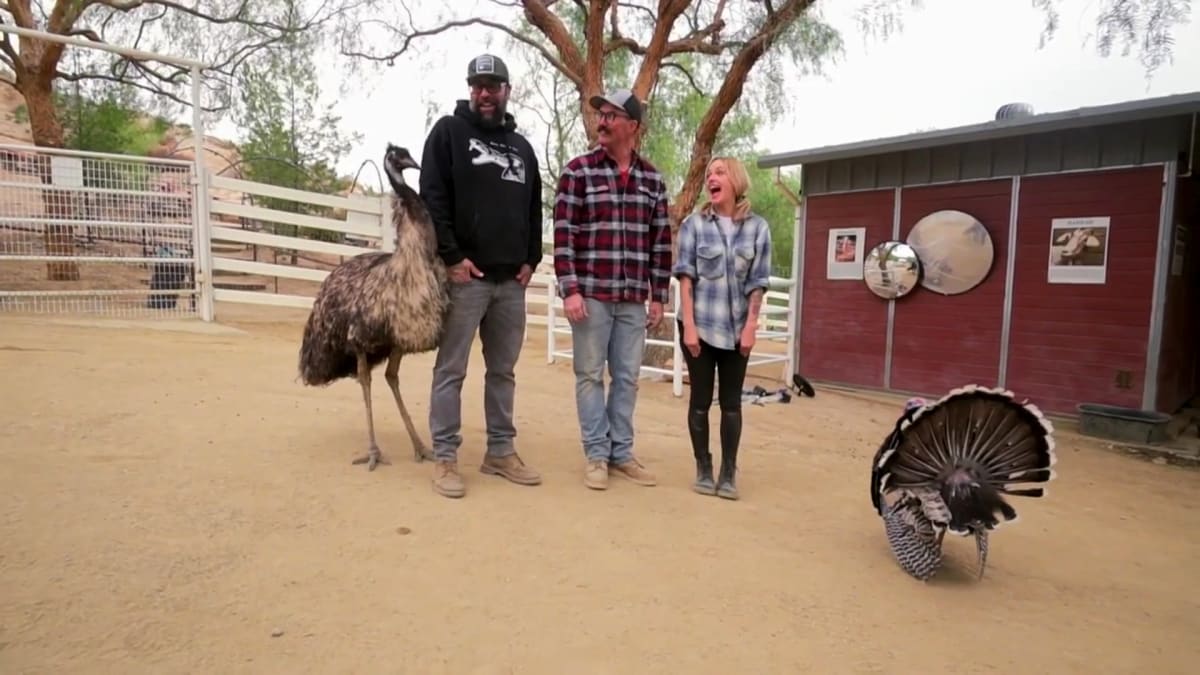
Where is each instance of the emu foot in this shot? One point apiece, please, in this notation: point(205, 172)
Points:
point(372, 459)
point(421, 453)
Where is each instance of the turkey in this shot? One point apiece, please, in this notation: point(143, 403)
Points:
point(946, 466)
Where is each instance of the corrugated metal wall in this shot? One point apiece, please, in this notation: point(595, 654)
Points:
point(1126, 144)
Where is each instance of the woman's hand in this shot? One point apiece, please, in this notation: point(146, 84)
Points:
point(691, 339)
point(746, 341)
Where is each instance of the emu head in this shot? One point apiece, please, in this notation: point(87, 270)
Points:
point(395, 160)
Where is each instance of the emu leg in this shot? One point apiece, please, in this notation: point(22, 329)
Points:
point(373, 456)
point(420, 451)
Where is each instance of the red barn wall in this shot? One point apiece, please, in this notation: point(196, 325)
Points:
point(940, 342)
point(1179, 363)
point(1069, 341)
point(843, 326)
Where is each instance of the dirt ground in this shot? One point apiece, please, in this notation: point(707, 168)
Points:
point(173, 500)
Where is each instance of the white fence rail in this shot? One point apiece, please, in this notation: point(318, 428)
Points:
point(242, 229)
point(176, 242)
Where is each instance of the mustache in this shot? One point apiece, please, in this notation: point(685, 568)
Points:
point(602, 127)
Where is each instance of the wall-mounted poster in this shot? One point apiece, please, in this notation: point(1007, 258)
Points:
point(846, 250)
point(1078, 250)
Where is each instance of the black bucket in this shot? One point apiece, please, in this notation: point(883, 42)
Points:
point(164, 276)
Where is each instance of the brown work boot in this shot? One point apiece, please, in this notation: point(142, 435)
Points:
point(446, 481)
point(511, 467)
point(634, 471)
point(596, 476)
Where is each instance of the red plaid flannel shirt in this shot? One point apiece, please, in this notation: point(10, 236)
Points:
point(612, 238)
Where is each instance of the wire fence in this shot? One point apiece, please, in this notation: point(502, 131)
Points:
point(94, 233)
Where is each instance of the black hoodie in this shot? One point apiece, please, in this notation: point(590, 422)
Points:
point(484, 191)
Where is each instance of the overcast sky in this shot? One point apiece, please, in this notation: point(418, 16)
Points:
point(954, 63)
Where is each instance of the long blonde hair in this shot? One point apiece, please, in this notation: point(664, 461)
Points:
point(739, 180)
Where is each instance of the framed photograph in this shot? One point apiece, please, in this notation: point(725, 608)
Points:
point(1078, 250)
point(844, 259)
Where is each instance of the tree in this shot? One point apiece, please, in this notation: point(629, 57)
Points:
point(223, 34)
point(289, 138)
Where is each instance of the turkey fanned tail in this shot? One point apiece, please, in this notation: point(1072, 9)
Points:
point(947, 467)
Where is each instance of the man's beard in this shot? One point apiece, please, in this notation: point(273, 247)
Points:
point(495, 118)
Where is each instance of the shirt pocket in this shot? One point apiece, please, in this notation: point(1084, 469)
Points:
point(743, 260)
point(710, 261)
point(597, 207)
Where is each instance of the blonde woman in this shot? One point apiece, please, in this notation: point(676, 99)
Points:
point(723, 268)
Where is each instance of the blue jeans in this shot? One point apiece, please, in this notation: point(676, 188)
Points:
point(614, 333)
point(497, 311)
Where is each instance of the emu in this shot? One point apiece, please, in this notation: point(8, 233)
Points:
point(378, 306)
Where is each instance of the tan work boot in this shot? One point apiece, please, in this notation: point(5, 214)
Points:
point(510, 467)
point(446, 481)
point(634, 471)
point(596, 476)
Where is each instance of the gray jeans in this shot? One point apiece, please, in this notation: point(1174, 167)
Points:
point(497, 310)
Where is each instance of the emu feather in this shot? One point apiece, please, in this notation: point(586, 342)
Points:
point(380, 306)
point(946, 467)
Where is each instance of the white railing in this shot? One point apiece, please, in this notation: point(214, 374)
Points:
point(543, 292)
point(238, 229)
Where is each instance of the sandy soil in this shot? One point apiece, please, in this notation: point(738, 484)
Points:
point(171, 498)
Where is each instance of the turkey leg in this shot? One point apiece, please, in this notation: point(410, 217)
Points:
point(420, 452)
point(981, 546)
point(373, 456)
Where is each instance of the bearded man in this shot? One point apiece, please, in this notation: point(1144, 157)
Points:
point(481, 183)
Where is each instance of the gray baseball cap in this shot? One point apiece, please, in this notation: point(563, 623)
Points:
point(623, 99)
point(486, 65)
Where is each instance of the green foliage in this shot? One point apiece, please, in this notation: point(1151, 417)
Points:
point(107, 121)
point(290, 140)
point(767, 198)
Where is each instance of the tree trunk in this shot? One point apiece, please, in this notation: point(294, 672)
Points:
point(706, 136)
point(58, 239)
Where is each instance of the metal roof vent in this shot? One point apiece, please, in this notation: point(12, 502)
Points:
point(1011, 111)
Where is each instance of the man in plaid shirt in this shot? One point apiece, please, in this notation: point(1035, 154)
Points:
point(612, 254)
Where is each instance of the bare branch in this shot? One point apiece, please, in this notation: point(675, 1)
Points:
point(686, 73)
point(408, 37)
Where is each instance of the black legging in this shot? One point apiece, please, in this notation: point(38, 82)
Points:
point(730, 365)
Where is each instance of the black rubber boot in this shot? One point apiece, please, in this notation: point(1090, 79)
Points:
point(731, 435)
point(698, 429)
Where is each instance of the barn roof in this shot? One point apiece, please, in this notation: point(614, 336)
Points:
point(1126, 111)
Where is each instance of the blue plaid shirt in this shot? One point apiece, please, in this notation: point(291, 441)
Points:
point(723, 278)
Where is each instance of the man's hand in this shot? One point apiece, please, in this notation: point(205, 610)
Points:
point(462, 271)
point(574, 308)
point(746, 341)
point(654, 315)
point(525, 275)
